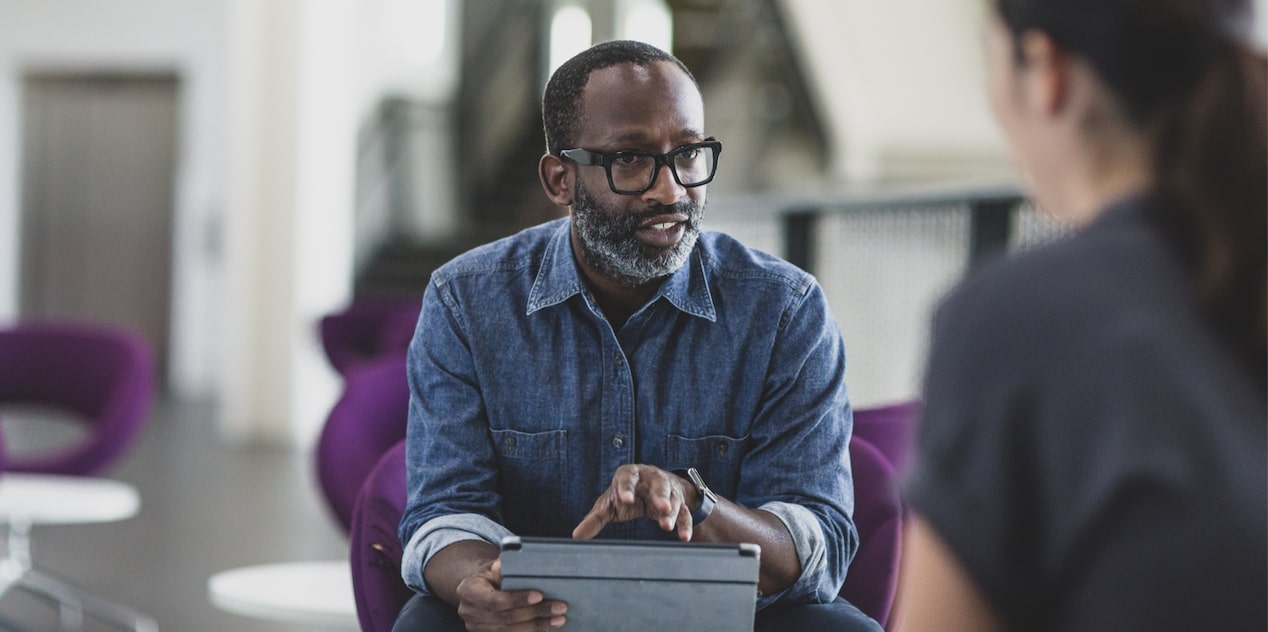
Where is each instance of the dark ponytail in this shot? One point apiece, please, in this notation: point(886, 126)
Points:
point(1211, 164)
point(1184, 77)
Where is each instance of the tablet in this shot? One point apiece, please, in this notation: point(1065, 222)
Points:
point(636, 586)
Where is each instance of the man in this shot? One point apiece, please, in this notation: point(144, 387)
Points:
point(559, 377)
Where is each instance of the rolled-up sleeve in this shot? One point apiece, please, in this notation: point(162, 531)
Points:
point(812, 551)
point(439, 533)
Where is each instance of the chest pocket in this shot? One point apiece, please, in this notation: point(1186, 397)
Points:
point(531, 469)
point(717, 457)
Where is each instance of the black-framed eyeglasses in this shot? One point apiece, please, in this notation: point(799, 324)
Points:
point(634, 172)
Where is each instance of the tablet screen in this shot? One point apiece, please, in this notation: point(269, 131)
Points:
point(619, 585)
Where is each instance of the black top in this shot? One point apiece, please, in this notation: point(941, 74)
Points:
point(1090, 451)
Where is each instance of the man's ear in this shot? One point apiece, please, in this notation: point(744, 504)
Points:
point(556, 179)
point(1047, 70)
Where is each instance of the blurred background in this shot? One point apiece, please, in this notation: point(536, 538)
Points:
point(221, 174)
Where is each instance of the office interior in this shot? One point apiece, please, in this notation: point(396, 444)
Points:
point(221, 174)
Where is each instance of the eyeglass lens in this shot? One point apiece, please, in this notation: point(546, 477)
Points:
point(691, 165)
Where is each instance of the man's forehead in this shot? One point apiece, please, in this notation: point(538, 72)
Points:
point(628, 102)
point(630, 77)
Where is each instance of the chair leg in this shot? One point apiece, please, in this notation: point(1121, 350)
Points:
point(18, 571)
point(70, 611)
point(73, 603)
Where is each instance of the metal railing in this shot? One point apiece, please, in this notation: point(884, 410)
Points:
point(991, 212)
point(884, 257)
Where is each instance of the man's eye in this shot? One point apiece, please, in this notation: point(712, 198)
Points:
point(628, 159)
point(689, 154)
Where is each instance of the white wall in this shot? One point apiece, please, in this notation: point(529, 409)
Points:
point(181, 36)
point(310, 75)
point(1261, 23)
point(904, 79)
point(273, 97)
point(307, 77)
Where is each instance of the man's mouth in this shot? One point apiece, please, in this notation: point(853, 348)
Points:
point(662, 232)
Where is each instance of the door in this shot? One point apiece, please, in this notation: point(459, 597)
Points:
point(98, 171)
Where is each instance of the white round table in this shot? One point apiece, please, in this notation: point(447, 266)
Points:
point(308, 593)
point(27, 500)
point(56, 499)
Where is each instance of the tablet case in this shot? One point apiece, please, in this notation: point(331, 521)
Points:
point(636, 586)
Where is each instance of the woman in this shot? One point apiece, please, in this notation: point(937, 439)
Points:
point(1093, 452)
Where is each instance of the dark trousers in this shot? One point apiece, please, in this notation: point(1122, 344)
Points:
point(429, 614)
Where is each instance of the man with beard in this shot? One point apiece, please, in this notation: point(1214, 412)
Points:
point(564, 379)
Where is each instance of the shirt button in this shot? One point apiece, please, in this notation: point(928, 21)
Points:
point(618, 361)
point(617, 441)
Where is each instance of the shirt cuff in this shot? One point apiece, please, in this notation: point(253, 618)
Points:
point(812, 552)
point(438, 533)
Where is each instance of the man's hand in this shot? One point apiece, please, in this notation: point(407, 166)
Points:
point(468, 575)
point(482, 604)
point(641, 491)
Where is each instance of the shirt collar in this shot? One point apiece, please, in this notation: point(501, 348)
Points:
point(559, 279)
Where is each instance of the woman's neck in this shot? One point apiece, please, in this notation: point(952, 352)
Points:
point(1113, 169)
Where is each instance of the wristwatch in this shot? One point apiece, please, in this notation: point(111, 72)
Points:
point(708, 499)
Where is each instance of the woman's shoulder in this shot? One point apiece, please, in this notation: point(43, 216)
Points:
point(1119, 264)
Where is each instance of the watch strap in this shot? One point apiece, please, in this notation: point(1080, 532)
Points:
point(707, 499)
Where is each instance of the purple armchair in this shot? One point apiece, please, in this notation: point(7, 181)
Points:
point(103, 376)
point(367, 329)
point(100, 376)
point(368, 419)
point(891, 429)
point(872, 581)
point(376, 552)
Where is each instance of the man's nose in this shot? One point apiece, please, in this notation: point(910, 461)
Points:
point(665, 189)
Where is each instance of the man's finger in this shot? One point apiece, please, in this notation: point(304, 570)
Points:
point(589, 527)
point(677, 503)
point(594, 521)
point(665, 501)
point(520, 611)
point(684, 523)
point(517, 600)
point(626, 481)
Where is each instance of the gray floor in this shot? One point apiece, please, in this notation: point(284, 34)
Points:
point(205, 507)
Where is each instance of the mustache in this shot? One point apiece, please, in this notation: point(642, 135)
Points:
point(688, 208)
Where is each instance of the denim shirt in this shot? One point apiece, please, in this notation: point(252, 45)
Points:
point(524, 401)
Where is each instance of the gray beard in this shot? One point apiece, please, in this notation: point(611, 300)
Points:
point(610, 247)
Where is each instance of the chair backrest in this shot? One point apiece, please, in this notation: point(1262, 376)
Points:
point(872, 581)
point(368, 418)
point(102, 375)
point(375, 550)
point(891, 429)
point(367, 329)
